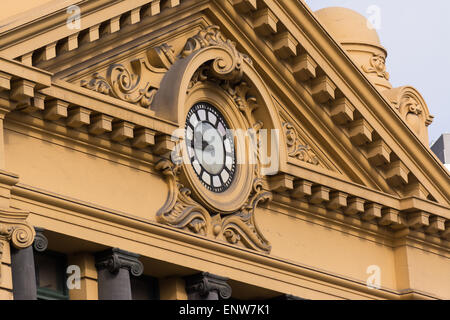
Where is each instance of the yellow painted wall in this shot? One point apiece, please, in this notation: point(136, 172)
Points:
point(326, 246)
point(11, 8)
point(422, 270)
point(85, 175)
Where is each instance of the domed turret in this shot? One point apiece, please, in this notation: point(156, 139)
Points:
point(358, 37)
point(355, 33)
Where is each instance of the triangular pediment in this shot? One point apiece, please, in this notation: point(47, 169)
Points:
point(334, 122)
point(134, 73)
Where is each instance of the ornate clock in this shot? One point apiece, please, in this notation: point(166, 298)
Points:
point(210, 147)
point(215, 169)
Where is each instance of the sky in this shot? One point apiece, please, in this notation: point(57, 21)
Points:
point(416, 35)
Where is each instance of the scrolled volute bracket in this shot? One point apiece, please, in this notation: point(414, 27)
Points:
point(15, 228)
point(204, 283)
point(114, 259)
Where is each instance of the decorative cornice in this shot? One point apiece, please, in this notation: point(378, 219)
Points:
point(184, 240)
point(117, 16)
point(305, 44)
point(114, 259)
point(204, 282)
point(40, 243)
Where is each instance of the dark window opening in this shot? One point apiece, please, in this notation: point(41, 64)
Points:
point(51, 275)
point(144, 288)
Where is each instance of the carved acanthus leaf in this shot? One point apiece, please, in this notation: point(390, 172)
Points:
point(410, 105)
point(295, 148)
point(211, 36)
point(180, 210)
point(241, 226)
point(201, 75)
point(246, 102)
point(138, 84)
point(412, 108)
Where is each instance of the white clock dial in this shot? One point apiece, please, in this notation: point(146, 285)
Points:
point(210, 147)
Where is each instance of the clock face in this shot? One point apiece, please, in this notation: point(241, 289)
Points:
point(210, 147)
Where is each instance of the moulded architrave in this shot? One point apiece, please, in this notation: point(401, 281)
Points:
point(182, 243)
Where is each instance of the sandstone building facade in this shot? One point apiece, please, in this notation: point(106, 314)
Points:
point(97, 181)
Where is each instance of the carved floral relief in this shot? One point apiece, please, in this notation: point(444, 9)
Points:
point(138, 84)
point(377, 64)
point(412, 108)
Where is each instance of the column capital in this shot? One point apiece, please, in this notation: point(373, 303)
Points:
point(114, 259)
point(203, 283)
point(40, 240)
point(15, 228)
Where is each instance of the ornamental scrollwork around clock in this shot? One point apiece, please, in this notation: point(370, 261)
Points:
point(180, 210)
point(138, 84)
point(183, 212)
point(212, 36)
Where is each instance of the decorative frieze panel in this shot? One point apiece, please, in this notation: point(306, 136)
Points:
point(297, 149)
point(296, 146)
point(137, 84)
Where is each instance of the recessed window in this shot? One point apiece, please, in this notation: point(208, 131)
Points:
point(51, 275)
point(144, 288)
